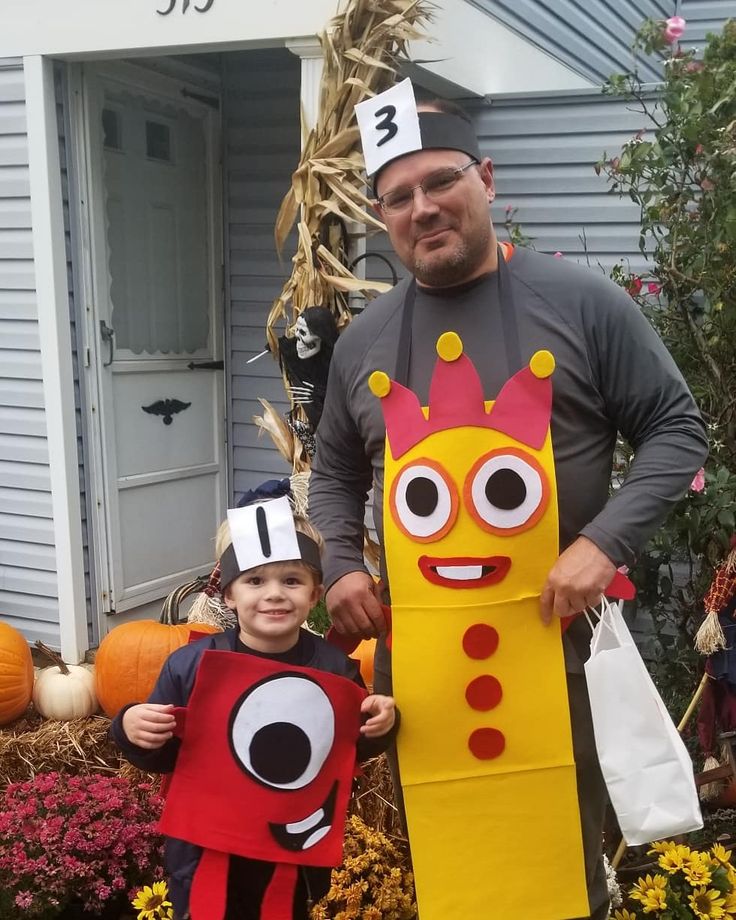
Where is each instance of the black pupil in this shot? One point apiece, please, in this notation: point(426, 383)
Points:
point(422, 496)
point(280, 753)
point(505, 489)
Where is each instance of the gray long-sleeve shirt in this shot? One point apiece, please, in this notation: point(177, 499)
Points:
point(612, 374)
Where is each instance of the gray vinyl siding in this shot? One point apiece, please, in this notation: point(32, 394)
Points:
point(28, 582)
point(702, 17)
point(262, 143)
point(593, 37)
point(544, 149)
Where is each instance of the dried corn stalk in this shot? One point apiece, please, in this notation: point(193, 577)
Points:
point(363, 47)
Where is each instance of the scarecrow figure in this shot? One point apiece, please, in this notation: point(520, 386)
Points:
point(717, 639)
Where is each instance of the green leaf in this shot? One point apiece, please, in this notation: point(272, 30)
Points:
point(727, 519)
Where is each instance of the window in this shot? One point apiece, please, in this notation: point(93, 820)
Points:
point(112, 130)
point(158, 141)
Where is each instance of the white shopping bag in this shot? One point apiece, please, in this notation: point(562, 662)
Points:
point(644, 762)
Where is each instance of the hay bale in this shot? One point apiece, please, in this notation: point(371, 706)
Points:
point(81, 746)
point(373, 800)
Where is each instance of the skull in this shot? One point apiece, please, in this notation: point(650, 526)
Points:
point(307, 343)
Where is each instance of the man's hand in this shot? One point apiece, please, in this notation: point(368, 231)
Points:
point(382, 712)
point(576, 581)
point(354, 607)
point(149, 725)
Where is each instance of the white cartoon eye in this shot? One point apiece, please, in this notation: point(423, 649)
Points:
point(424, 501)
point(507, 491)
point(282, 730)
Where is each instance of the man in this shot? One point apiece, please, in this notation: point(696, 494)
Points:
point(612, 374)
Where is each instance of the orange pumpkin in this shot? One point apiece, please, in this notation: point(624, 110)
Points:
point(130, 657)
point(16, 674)
point(364, 654)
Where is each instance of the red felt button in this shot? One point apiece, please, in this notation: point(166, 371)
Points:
point(483, 693)
point(480, 641)
point(486, 743)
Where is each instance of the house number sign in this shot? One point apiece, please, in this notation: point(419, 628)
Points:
point(185, 6)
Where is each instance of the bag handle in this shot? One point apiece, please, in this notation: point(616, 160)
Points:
point(600, 618)
point(170, 608)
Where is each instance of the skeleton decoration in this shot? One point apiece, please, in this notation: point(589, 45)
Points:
point(305, 360)
point(308, 343)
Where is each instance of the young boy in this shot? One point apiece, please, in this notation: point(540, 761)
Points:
point(272, 601)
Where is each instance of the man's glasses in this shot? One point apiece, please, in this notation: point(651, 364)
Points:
point(434, 186)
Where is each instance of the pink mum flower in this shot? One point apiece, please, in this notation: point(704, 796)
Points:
point(674, 28)
point(698, 483)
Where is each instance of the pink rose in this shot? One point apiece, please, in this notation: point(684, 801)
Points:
point(698, 483)
point(558, 255)
point(674, 28)
point(634, 286)
point(653, 287)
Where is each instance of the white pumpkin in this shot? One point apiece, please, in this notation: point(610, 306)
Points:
point(65, 691)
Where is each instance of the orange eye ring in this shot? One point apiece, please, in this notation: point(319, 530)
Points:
point(404, 517)
point(538, 480)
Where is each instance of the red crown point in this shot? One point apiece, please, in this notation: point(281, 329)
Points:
point(522, 409)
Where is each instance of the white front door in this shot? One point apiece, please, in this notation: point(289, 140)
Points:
point(157, 316)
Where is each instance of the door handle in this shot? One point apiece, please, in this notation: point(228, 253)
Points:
point(206, 365)
point(106, 334)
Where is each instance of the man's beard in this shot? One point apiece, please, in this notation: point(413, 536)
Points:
point(457, 266)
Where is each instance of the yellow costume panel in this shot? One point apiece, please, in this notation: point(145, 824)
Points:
point(485, 747)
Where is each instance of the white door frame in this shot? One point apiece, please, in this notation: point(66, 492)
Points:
point(90, 202)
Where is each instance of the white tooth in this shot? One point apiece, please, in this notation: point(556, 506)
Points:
point(298, 827)
point(460, 572)
point(316, 837)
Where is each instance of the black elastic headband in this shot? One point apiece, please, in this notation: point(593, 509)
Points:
point(442, 131)
point(309, 555)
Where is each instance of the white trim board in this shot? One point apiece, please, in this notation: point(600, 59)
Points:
point(56, 351)
point(468, 47)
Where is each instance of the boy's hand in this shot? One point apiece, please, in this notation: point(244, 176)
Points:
point(382, 711)
point(149, 725)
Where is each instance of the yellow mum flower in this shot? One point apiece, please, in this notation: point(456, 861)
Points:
point(651, 892)
point(707, 904)
point(660, 846)
point(151, 902)
point(623, 915)
point(730, 905)
point(720, 854)
point(675, 857)
point(698, 870)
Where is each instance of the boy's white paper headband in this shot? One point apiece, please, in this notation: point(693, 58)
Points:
point(391, 127)
point(264, 532)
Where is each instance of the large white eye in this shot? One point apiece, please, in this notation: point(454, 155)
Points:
point(282, 730)
point(424, 501)
point(508, 491)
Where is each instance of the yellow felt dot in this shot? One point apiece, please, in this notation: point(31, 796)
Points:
point(449, 346)
point(542, 364)
point(379, 383)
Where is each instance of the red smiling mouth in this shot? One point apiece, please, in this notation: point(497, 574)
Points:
point(465, 571)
